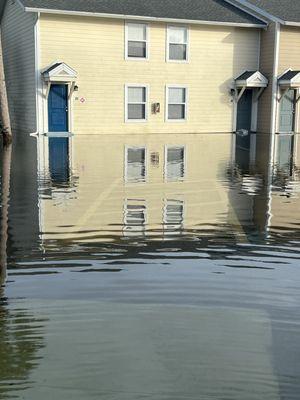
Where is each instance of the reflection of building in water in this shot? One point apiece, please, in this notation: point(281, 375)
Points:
point(138, 185)
point(173, 216)
point(59, 165)
point(134, 218)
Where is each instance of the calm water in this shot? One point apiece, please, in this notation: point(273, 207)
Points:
point(162, 267)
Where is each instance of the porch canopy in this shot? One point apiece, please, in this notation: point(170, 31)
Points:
point(250, 80)
point(59, 73)
point(290, 80)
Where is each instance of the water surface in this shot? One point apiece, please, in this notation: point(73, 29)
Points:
point(150, 267)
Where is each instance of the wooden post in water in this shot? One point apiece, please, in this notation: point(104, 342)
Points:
point(4, 110)
point(6, 165)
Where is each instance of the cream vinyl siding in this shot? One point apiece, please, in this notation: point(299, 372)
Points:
point(266, 68)
point(289, 55)
point(18, 39)
point(94, 47)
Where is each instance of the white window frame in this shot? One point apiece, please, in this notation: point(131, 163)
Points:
point(187, 44)
point(142, 147)
point(175, 146)
point(147, 41)
point(175, 86)
point(128, 232)
point(137, 85)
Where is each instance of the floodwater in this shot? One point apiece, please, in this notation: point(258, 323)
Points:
point(160, 267)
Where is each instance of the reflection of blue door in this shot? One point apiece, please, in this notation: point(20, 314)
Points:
point(59, 159)
point(244, 116)
point(287, 112)
point(58, 108)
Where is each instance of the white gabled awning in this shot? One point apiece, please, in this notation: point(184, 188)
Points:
point(59, 72)
point(251, 79)
point(290, 80)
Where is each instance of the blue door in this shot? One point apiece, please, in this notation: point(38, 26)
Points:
point(58, 108)
point(244, 116)
point(287, 112)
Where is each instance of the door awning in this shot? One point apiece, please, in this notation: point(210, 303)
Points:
point(251, 79)
point(290, 79)
point(59, 72)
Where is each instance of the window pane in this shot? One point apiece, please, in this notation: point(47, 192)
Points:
point(136, 95)
point(176, 95)
point(175, 163)
point(136, 111)
point(137, 32)
point(176, 111)
point(177, 35)
point(136, 156)
point(177, 52)
point(136, 167)
point(137, 49)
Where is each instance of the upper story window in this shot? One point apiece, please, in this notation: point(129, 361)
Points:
point(136, 107)
point(176, 99)
point(136, 41)
point(177, 42)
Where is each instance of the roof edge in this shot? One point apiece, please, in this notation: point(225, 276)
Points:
point(143, 18)
point(245, 9)
point(291, 23)
point(261, 11)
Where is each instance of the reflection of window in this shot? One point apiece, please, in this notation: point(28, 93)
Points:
point(134, 218)
point(175, 163)
point(135, 167)
point(177, 43)
point(137, 40)
point(173, 215)
point(176, 103)
point(59, 163)
point(136, 103)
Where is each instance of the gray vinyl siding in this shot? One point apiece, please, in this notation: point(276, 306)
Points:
point(18, 41)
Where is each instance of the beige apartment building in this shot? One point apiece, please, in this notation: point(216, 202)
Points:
point(134, 68)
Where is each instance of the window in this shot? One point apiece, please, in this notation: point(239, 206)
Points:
point(134, 218)
point(136, 41)
point(136, 103)
point(173, 216)
point(175, 163)
point(176, 103)
point(135, 164)
point(177, 42)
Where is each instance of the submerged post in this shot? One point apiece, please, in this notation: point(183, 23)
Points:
point(4, 110)
point(6, 165)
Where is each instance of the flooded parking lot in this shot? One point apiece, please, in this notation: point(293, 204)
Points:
point(150, 267)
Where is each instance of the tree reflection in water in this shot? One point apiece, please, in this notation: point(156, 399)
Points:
point(20, 333)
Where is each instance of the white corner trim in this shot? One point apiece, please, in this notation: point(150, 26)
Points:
point(274, 107)
point(143, 18)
